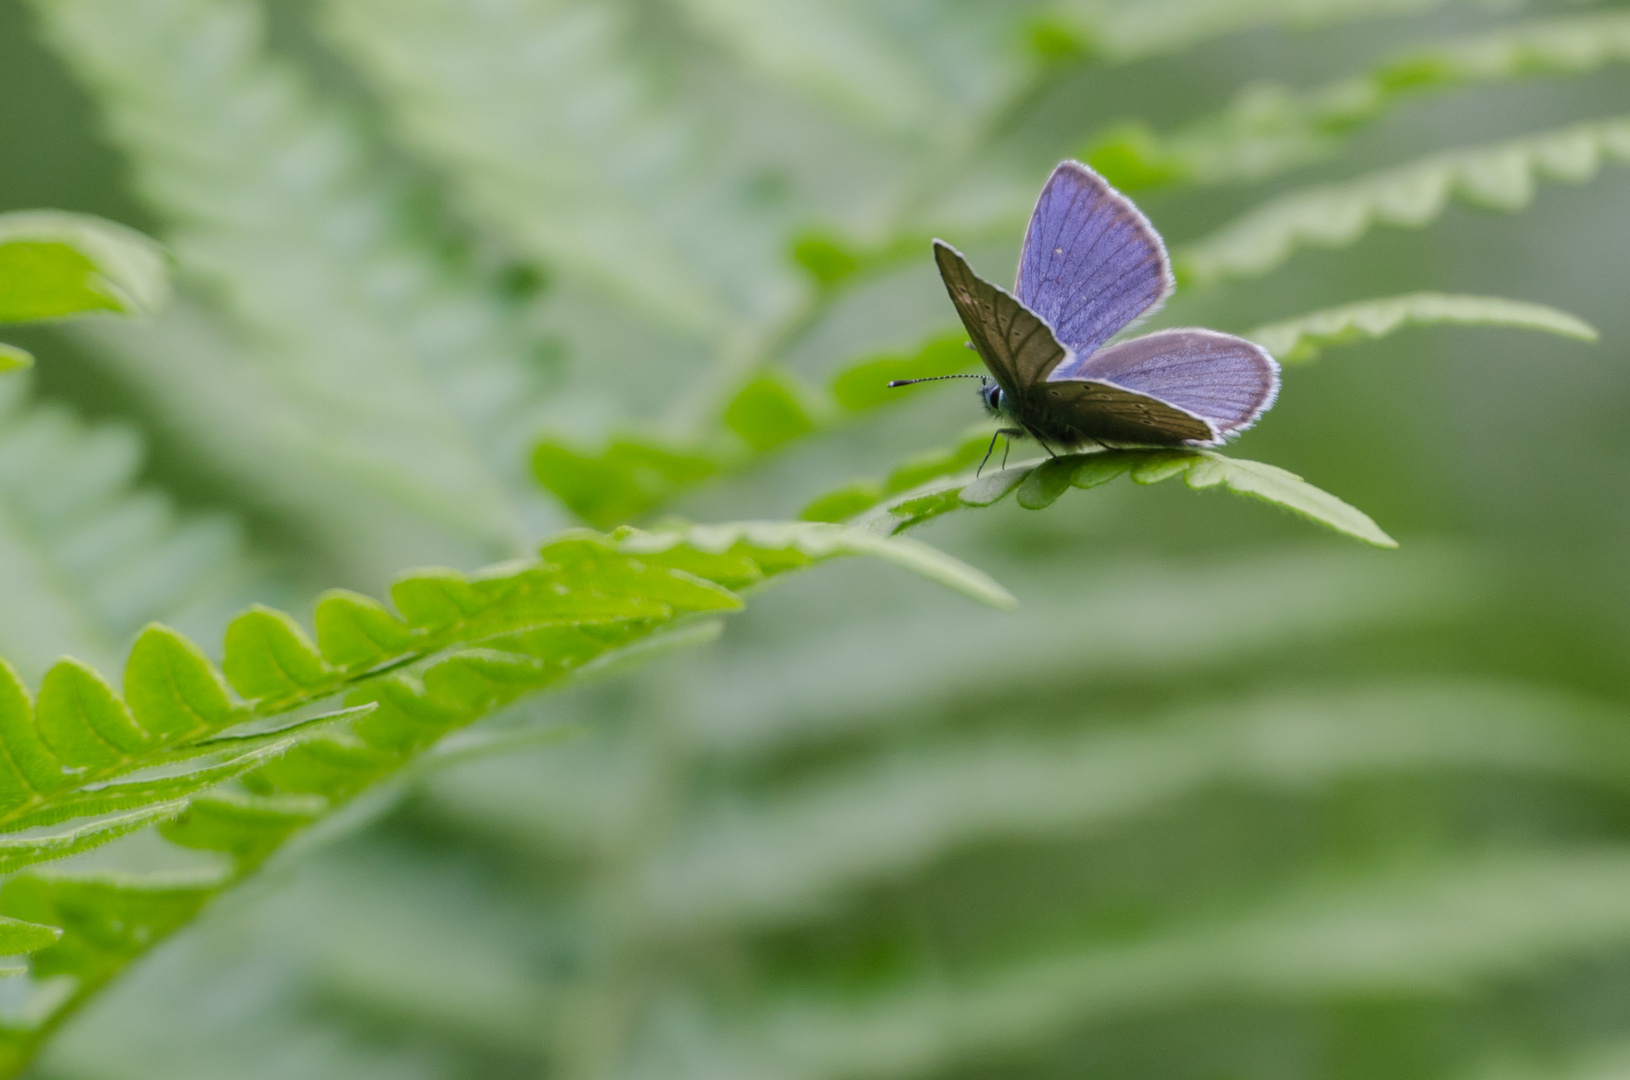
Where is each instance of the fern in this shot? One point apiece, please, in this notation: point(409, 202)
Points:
point(483, 641)
point(84, 559)
point(1268, 128)
point(274, 208)
point(1125, 31)
point(1397, 933)
point(1499, 176)
point(635, 474)
point(1295, 341)
point(1227, 798)
point(55, 264)
point(570, 179)
point(789, 856)
point(1039, 483)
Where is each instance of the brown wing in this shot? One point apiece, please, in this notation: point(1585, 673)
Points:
point(1078, 410)
point(1014, 343)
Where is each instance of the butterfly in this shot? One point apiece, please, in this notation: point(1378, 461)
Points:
point(1092, 265)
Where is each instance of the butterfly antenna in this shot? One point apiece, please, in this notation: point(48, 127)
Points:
point(933, 378)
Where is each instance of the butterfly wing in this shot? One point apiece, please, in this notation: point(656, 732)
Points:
point(1091, 262)
point(1015, 345)
point(1221, 378)
point(1077, 411)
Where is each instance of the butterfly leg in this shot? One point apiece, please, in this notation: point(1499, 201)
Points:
point(1006, 446)
point(1043, 442)
point(989, 450)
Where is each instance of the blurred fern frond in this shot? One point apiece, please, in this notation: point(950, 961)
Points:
point(474, 644)
point(1269, 129)
point(88, 558)
point(279, 209)
point(1499, 176)
point(1295, 341)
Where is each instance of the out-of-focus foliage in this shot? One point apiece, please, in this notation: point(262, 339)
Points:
point(1298, 340)
point(462, 647)
point(54, 265)
point(1225, 796)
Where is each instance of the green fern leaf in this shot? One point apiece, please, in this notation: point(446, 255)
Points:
point(18, 937)
point(13, 358)
point(841, 54)
point(352, 315)
point(791, 853)
point(246, 827)
point(107, 921)
point(484, 640)
point(564, 190)
point(1039, 483)
point(173, 690)
point(768, 412)
point(355, 632)
point(794, 545)
point(17, 854)
point(1295, 341)
point(1498, 176)
point(1268, 128)
point(631, 477)
point(267, 656)
point(85, 557)
point(865, 384)
point(55, 264)
point(635, 475)
point(1132, 31)
point(1421, 933)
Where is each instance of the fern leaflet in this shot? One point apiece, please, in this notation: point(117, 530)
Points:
point(1295, 341)
point(1497, 176)
point(1430, 929)
point(634, 474)
point(1269, 129)
point(1133, 30)
point(457, 647)
point(54, 264)
point(1040, 482)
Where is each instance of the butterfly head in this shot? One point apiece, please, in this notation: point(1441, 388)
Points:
point(990, 393)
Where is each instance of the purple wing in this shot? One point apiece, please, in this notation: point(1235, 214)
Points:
point(1091, 262)
point(1016, 346)
point(1227, 380)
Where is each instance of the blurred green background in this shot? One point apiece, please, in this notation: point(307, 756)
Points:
point(1226, 797)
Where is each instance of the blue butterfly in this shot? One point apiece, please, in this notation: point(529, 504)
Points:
point(1091, 265)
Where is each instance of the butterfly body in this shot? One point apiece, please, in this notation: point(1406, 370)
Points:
point(1092, 265)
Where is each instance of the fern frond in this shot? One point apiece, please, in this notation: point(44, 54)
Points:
point(876, 64)
point(278, 211)
point(85, 559)
point(841, 54)
point(54, 264)
point(1125, 31)
point(457, 647)
point(1421, 932)
point(635, 474)
point(1596, 1060)
point(1269, 128)
point(555, 139)
point(1145, 623)
point(1497, 176)
point(1298, 340)
point(107, 921)
point(798, 852)
point(1040, 482)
